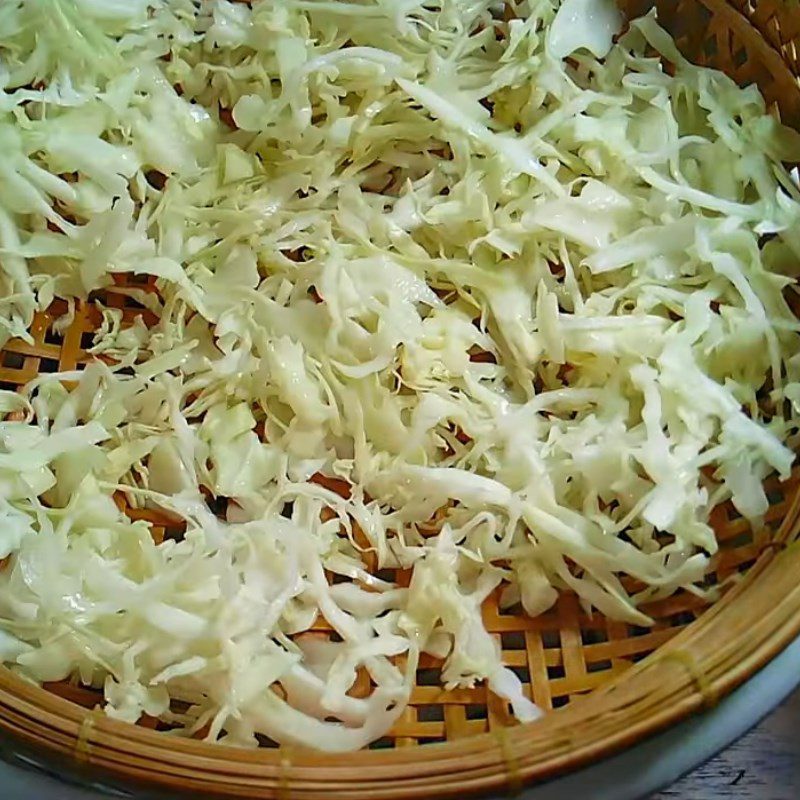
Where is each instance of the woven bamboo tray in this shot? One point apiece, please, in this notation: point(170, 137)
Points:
point(606, 683)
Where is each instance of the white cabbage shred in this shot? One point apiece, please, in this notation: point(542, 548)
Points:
point(453, 287)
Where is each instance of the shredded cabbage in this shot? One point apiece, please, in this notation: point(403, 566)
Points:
point(476, 291)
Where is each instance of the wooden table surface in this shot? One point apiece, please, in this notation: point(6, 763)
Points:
point(763, 765)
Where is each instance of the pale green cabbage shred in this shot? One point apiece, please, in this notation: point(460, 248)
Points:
point(360, 197)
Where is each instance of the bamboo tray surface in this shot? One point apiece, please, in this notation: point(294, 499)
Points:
point(633, 774)
point(606, 683)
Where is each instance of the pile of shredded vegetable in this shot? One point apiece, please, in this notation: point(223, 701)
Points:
point(489, 292)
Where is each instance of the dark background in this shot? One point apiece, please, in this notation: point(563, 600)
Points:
point(763, 765)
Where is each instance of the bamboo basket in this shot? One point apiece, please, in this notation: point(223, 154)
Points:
point(606, 684)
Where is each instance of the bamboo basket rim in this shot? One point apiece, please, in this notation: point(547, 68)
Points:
point(752, 622)
point(483, 762)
